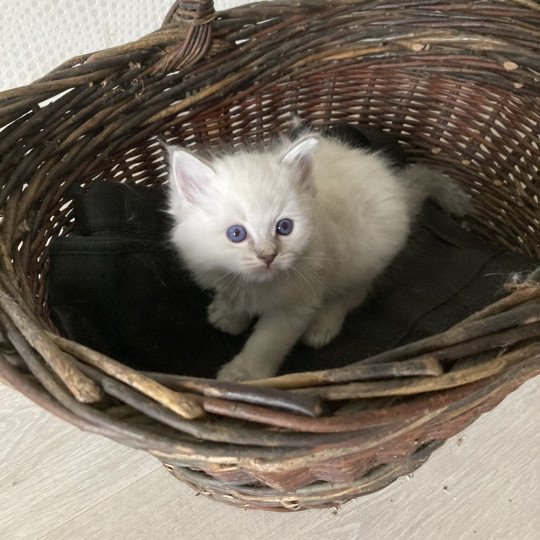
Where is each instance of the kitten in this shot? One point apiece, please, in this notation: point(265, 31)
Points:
point(294, 235)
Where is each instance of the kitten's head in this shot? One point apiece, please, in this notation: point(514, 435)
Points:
point(248, 213)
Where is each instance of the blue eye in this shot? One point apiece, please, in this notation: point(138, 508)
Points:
point(236, 233)
point(284, 226)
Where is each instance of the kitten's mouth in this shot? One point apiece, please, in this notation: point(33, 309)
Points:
point(266, 270)
point(263, 273)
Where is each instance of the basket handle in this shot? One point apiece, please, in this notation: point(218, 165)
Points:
point(195, 12)
point(198, 16)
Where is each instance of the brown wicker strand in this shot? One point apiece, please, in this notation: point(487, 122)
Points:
point(182, 404)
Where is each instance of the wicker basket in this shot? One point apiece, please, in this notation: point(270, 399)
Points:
point(456, 83)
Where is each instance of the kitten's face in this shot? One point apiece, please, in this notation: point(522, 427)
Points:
point(249, 213)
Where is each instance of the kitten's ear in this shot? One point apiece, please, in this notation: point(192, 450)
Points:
point(299, 156)
point(191, 175)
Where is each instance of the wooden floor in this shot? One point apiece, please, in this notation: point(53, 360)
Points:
point(57, 482)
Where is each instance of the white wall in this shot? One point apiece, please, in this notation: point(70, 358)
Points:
point(38, 35)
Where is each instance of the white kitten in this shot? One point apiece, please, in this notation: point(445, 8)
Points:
point(294, 235)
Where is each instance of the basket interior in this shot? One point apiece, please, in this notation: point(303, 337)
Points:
point(481, 135)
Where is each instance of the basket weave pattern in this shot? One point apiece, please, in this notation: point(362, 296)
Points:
point(457, 84)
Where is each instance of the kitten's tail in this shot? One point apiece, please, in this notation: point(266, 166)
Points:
point(426, 183)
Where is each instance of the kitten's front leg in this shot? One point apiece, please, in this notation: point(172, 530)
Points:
point(223, 316)
point(274, 336)
point(327, 323)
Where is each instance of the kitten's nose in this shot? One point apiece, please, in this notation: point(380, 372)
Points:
point(267, 259)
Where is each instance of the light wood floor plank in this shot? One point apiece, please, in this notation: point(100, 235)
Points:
point(51, 471)
point(482, 484)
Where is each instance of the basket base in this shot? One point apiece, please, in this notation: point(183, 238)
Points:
point(318, 495)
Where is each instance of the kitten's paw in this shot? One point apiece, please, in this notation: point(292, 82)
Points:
point(323, 329)
point(243, 369)
point(221, 316)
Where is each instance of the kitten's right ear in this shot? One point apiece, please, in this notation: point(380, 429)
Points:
point(190, 174)
point(299, 156)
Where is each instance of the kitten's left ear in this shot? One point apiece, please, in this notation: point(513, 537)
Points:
point(299, 156)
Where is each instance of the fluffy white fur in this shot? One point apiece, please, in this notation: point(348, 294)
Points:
point(351, 213)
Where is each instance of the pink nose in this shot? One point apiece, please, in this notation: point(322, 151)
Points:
point(268, 259)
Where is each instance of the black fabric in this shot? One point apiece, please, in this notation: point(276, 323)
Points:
point(117, 286)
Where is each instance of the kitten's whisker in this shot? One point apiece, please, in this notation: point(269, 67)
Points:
point(310, 277)
point(237, 285)
point(223, 281)
point(304, 279)
point(326, 258)
point(312, 274)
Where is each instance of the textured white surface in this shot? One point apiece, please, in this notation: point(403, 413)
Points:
point(38, 35)
point(56, 482)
